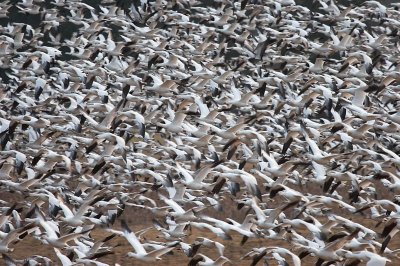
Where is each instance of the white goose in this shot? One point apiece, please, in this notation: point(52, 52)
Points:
point(140, 253)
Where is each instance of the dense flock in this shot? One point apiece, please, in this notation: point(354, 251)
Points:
point(284, 111)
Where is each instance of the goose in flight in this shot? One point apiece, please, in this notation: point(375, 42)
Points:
point(13, 236)
point(140, 252)
point(77, 218)
point(202, 241)
point(203, 260)
point(278, 253)
point(174, 126)
point(331, 252)
point(369, 257)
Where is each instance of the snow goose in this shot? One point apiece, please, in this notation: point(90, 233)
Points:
point(203, 260)
point(140, 253)
point(258, 253)
point(174, 126)
point(13, 236)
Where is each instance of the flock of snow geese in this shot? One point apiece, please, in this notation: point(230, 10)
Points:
point(284, 113)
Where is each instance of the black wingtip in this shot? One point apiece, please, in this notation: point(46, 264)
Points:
point(124, 226)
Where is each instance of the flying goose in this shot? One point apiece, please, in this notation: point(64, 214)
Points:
point(277, 252)
point(140, 253)
point(202, 241)
point(13, 236)
point(243, 229)
point(369, 257)
point(175, 126)
point(203, 260)
point(216, 230)
point(330, 252)
point(77, 218)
